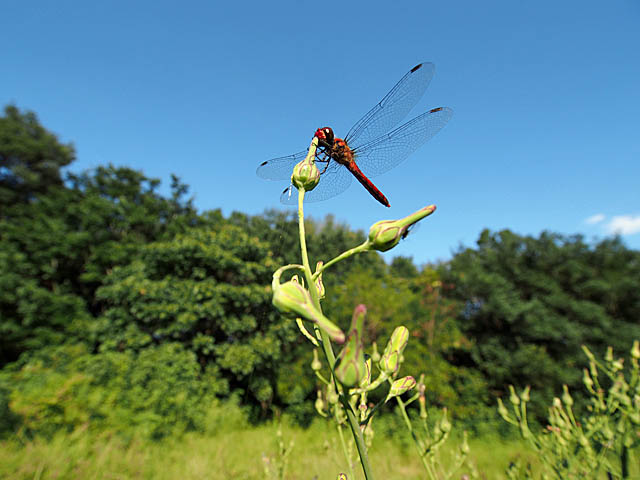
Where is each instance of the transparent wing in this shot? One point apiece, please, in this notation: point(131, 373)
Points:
point(393, 107)
point(387, 151)
point(280, 168)
point(335, 180)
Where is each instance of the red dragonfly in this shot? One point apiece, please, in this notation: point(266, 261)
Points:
point(369, 148)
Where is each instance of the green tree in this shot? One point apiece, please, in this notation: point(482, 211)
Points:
point(208, 290)
point(30, 158)
point(530, 303)
point(59, 239)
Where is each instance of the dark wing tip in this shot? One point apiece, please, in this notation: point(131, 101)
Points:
point(264, 163)
point(416, 67)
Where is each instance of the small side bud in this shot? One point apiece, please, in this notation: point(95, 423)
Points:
point(316, 365)
point(502, 410)
point(365, 381)
point(375, 356)
point(445, 424)
point(400, 386)
point(513, 396)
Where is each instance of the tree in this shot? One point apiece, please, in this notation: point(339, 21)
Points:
point(530, 303)
point(207, 290)
point(30, 158)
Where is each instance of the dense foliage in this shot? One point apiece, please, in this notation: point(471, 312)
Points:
point(121, 307)
point(530, 303)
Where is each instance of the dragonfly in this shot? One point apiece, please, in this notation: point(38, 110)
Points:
point(371, 147)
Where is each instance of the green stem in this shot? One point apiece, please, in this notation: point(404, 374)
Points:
point(421, 454)
point(359, 249)
point(345, 449)
point(326, 342)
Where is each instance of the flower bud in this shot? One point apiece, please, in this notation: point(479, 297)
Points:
point(445, 424)
point(525, 394)
point(401, 386)
point(305, 174)
point(386, 234)
point(319, 404)
point(350, 365)
point(513, 396)
point(291, 298)
point(365, 381)
point(502, 410)
point(635, 350)
point(375, 356)
point(315, 363)
point(390, 361)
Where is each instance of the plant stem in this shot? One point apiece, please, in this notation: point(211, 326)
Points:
point(421, 454)
point(359, 249)
point(326, 343)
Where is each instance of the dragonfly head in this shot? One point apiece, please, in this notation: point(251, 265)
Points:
point(325, 137)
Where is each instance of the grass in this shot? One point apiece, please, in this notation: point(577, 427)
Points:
point(236, 454)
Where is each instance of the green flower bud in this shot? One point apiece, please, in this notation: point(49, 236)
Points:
point(315, 363)
point(609, 355)
point(292, 298)
point(305, 174)
point(502, 410)
point(423, 407)
point(332, 396)
point(390, 361)
point(401, 386)
point(586, 379)
point(350, 365)
point(366, 378)
point(319, 404)
point(635, 350)
point(566, 397)
point(445, 424)
point(464, 448)
point(375, 356)
point(386, 234)
point(525, 394)
point(513, 397)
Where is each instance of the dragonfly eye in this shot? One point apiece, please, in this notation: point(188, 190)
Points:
point(328, 133)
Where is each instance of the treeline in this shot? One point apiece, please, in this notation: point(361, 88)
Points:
point(124, 308)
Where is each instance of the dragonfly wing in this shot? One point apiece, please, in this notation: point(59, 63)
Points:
point(393, 107)
point(335, 180)
point(280, 168)
point(386, 152)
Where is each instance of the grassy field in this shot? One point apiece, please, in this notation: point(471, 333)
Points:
point(239, 454)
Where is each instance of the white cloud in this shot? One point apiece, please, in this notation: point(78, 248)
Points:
point(624, 224)
point(593, 219)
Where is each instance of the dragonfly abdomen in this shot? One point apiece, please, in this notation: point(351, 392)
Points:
point(366, 183)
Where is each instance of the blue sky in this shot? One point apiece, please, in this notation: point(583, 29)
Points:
point(545, 133)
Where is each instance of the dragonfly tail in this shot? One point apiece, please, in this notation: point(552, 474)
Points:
point(368, 184)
